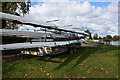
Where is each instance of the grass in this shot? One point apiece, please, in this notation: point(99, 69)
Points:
point(87, 62)
point(92, 42)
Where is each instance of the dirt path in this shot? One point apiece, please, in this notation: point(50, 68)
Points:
point(91, 44)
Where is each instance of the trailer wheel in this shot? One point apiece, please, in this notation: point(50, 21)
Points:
point(71, 50)
point(75, 50)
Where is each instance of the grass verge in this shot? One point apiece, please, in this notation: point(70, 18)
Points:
point(87, 62)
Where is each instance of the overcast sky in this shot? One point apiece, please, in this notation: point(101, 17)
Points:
point(98, 17)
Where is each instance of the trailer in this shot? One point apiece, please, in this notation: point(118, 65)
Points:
point(53, 49)
point(44, 48)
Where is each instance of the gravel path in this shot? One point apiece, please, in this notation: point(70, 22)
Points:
point(91, 44)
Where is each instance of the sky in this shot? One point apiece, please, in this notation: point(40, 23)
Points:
point(98, 17)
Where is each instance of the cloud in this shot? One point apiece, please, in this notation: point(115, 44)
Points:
point(101, 20)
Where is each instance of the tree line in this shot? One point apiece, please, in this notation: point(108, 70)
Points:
point(106, 38)
point(16, 8)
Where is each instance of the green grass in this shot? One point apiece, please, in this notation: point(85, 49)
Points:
point(87, 62)
point(92, 42)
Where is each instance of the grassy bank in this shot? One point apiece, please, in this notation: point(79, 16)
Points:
point(92, 41)
point(87, 62)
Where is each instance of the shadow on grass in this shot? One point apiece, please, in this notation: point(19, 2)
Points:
point(10, 58)
point(50, 60)
point(13, 55)
point(82, 54)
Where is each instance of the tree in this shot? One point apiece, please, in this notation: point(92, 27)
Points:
point(119, 38)
point(100, 37)
point(16, 8)
point(107, 38)
point(104, 38)
point(115, 38)
point(87, 31)
point(95, 36)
